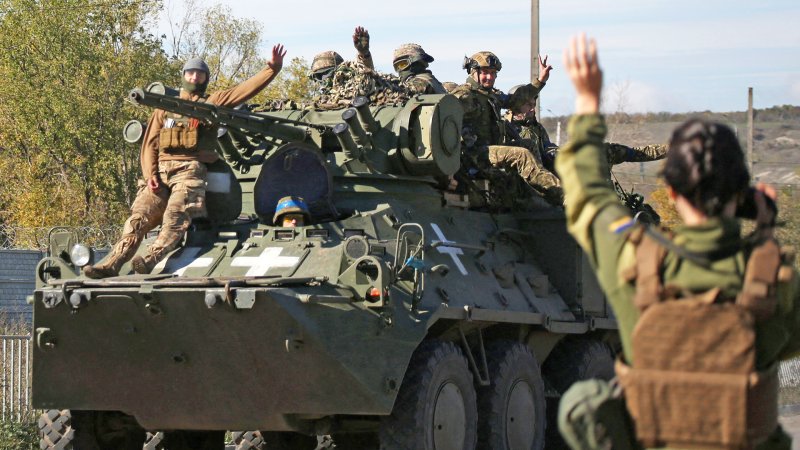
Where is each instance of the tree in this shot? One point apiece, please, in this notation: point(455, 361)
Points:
point(230, 46)
point(65, 69)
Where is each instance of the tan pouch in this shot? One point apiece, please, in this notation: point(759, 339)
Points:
point(188, 138)
point(180, 138)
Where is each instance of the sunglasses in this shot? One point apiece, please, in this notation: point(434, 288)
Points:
point(402, 64)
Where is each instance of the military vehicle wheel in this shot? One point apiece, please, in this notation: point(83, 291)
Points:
point(88, 430)
point(576, 360)
point(512, 408)
point(273, 440)
point(436, 407)
point(573, 360)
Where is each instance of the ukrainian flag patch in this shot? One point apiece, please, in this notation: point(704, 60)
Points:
point(621, 224)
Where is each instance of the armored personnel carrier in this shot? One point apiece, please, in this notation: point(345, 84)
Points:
point(403, 317)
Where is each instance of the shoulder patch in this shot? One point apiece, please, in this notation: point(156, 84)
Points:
point(621, 224)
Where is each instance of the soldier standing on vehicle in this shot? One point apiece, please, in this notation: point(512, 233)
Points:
point(705, 316)
point(411, 63)
point(174, 154)
point(484, 132)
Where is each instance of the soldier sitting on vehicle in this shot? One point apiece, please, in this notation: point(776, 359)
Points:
point(324, 64)
point(291, 212)
point(411, 63)
point(483, 131)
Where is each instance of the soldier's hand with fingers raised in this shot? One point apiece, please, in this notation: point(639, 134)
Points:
point(583, 67)
point(361, 40)
point(276, 62)
point(544, 69)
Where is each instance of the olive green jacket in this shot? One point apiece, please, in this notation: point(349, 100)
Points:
point(598, 222)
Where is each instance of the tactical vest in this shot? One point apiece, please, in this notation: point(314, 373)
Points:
point(693, 382)
point(184, 136)
point(485, 120)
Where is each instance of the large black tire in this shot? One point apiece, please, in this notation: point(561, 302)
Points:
point(576, 360)
point(436, 406)
point(273, 440)
point(573, 360)
point(512, 413)
point(88, 430)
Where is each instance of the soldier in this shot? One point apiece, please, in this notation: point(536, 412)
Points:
point(523, 125)
point(411, 63)
point(324, 64)
point(704, 315)
point(291, 212)
point(174, 154)
point(484, 132)
point(322, 67)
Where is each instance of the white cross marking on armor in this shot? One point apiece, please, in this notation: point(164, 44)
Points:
point(452, 251)
point(260, 265)
point(184, 260)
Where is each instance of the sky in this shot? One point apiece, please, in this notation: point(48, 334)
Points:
point(676, 55)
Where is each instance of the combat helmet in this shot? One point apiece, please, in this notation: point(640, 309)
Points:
point(288, 205)
point(482, 60)
point(324, 63)
point(408, 54)
point(520, 95)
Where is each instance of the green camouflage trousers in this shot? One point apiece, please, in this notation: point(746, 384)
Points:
point(530, 168)
point(618, 153)
point(181, 198)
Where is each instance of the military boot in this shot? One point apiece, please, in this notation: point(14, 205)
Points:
point(144, 264)
point(119, 255)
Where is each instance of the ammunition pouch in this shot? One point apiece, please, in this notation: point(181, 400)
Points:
point(178, 138)
point(672, 409)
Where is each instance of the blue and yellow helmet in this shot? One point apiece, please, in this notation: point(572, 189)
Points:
point(289, 205)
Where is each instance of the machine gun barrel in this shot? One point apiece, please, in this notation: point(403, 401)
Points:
point(249, 122)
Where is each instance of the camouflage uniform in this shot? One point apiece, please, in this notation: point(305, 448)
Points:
point(411, 62)
point(484, 129)
point(599, 224)
point(181, 170)
point(618, 153)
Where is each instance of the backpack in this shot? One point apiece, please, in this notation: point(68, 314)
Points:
point(693, 381)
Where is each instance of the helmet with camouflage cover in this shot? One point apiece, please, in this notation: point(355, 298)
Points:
point(482, 60)
point(325, 62)
point(408, 54)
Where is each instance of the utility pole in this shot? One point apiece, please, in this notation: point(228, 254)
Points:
point(750, 129)
point(535, 47)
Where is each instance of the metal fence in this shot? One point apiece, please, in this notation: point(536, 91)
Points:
point(31, 238)
point(16, 378)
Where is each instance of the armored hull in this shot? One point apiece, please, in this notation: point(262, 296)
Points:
point(398, 307)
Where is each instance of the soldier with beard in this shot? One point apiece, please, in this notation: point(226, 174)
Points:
point(174, 154)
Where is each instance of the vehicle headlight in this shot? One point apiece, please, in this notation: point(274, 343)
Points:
point(80, 255)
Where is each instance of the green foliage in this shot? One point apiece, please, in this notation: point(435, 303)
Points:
point(19, 435)
point(65, 69)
